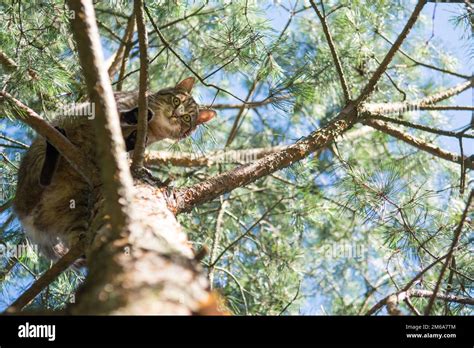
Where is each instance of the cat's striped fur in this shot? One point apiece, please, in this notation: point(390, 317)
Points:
point(56, 211)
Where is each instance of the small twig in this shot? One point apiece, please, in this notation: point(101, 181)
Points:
point(446, 133)
point(292, 300)
point(368, 89)
point(47, 278)
point(216, 241)
point(19, 143)
point(235, 241)
point(6, 205)
point(334, 54)
point(171, 49)
point(251, 104)
point(123, 48)
point(432, 67)
point(8, 161)
point(457, 237)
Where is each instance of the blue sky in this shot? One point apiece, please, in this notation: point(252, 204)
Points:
point(444, 31)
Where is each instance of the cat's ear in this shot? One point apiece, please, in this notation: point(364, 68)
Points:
point(186, 85)
point(205, 115)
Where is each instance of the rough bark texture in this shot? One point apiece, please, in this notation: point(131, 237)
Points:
point(150, 271)
point(186, 198)
point(139, 260)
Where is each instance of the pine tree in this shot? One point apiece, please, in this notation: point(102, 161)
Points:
point(326, 185)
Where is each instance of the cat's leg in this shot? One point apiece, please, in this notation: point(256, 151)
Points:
point(50, 163)
point(130, 141)
point(131, 116)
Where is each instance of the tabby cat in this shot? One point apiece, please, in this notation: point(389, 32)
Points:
point(53, 201)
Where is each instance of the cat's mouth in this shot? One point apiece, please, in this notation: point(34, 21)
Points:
point(186, 134)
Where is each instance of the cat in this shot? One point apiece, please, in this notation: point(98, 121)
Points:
point(53, 202)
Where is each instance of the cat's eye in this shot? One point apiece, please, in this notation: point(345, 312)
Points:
point(176, 101)
point(187, 118)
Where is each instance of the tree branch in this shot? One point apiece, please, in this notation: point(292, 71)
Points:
point(8, 63)
point(425, 103)
point(421, 63)
point(446, 133)
point(47, 278)
point(334, 54)
point(126, 40)
point(250, 105)
point(448, 298)
point(142, 126)
point(185, 199)
point(70, 152)
point(446, 108)
point(457, 237)
point(383, 301)
point(140, 261)
point(368, 89)
point(188, 159)
point(417, 142)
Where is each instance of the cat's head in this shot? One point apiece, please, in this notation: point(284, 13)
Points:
point(173, 112)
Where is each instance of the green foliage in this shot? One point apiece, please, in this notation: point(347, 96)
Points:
point(332, 234)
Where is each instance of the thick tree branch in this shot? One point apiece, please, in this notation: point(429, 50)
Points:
point(70, 152)
point(334, 54)
point(184, 199)
point(187, 159)
point(140, 261)
point(111, 146)
point(142, 126)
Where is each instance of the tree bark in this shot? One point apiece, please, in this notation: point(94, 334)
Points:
point(136, 265)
